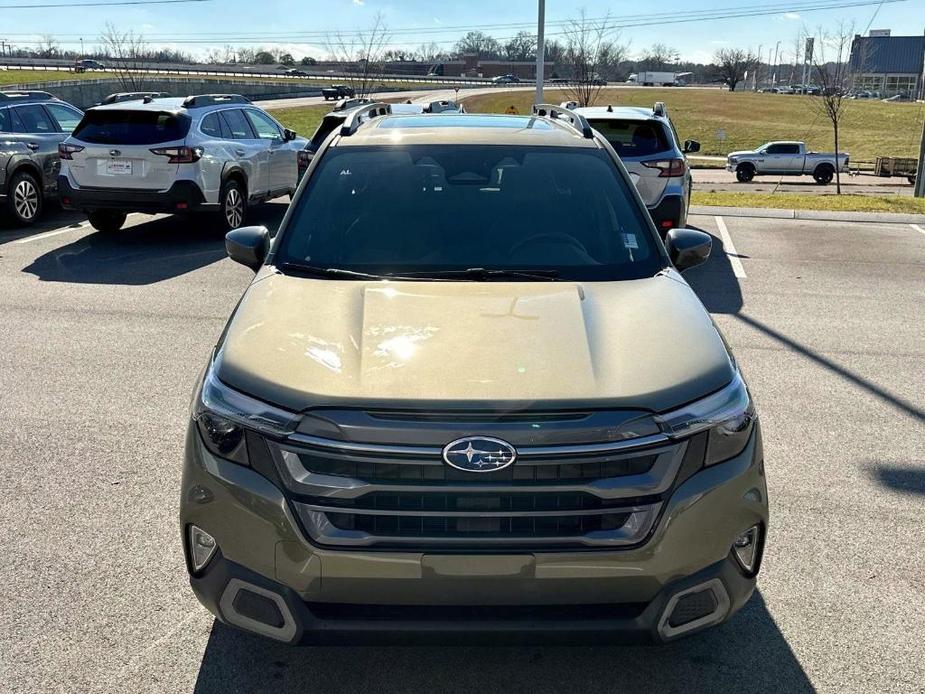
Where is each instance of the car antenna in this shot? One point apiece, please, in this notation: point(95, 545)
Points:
point(609, 108)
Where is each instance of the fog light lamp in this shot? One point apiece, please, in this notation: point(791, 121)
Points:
point(202, 547)
point(746, 549)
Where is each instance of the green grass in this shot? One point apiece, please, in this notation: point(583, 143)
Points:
point(8, 77)
point(870, 128)
point(302, 119)
point(795, 201)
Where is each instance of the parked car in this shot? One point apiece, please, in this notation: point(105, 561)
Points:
point(132, 96)
point(337, 91)
point(32, 124)
point(444, 106)
point(506, 79)
point(470, 387)
point(296, 72)
point(647, 143)
point(211, 152)
point(788, 158)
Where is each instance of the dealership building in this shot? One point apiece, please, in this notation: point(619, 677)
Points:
point(889, 64)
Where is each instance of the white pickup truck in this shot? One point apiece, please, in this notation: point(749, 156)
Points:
point(786, 159)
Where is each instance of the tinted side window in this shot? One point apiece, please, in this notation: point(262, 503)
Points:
point(33, 119)
point(791, 149)
point(67, 118)
point(237, 125)
point(211, 125)
point(6, 123)
point(264, 126)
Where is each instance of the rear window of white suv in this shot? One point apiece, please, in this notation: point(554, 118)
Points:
point(113, 127)
point(633, 138)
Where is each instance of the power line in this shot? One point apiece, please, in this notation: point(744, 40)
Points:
point(118, 3)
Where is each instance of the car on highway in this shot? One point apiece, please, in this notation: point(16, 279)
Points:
point(470, 390)
point(32, 124)
point(648, 144)
point(84, 64)
point(338, 91)
point(786, 158)
point(296, 72)
point(206, 153)
point(505, 79)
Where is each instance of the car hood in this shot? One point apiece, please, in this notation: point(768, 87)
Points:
point(741, 153)
point(644, 344)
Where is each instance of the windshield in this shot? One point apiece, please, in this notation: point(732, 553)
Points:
point(429, 209)
point(632, 138)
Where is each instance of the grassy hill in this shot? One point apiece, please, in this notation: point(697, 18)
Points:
point(870, 128)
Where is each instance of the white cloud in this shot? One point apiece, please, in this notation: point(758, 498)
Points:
point(359, 2)
point(793, 16)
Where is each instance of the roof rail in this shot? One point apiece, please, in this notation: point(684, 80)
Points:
point(570, 105)
point(119, 97)
point(352, 102)
point(201, 100)
point(660, 109)
point(22, 96)
point(363, 114)
point(576, 120)
point(443, 106)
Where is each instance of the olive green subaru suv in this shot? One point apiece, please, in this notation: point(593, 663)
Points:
point(469, 393)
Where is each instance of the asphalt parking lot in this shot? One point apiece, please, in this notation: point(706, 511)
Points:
point(103, 337)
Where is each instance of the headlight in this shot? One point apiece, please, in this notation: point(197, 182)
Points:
point(728, 414)
point(223, 415)
point(732, 160)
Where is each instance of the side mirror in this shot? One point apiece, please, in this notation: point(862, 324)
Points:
point(289, 135)
point(691, 146)
point(688, 248)
point(248, 246)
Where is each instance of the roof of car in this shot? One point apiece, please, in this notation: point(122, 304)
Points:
point(622, 112)
point(165, 103)
point(467, 128)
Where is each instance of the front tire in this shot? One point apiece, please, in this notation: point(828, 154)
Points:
point(823, 174)
point(234, 204)
point(25, 200)
point(106, 221)
point(745, 173)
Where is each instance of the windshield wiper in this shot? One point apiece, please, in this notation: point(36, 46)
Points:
point(333, 272)
point(484, 274)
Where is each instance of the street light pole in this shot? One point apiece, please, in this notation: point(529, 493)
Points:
point(540, 49)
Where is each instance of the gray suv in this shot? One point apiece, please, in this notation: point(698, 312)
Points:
point(213, 152)
point(512, 414)
point(31, 126)
point(648, 144)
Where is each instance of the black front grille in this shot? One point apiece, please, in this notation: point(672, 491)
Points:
point(465, 501)
point(484, 526)
point(457, 613)
point(522, 472)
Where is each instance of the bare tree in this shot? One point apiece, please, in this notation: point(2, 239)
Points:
point(592, 50)
point(48, 46)
point(833, 73)
point(731, 64)
point(363, 51)
point(127, 50)
point(659, 56)
point(478, 43)
point(521, 47)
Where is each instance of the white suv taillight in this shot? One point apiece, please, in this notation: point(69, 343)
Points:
point(179, 155)
point(667, 167)
point(66, 151)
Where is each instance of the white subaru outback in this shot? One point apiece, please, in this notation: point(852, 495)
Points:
point(213, 152)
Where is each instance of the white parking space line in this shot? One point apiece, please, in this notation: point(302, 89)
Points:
point(918, 228)
point(47, 234)
point(730, 249)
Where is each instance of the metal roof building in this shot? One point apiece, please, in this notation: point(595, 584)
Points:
point(889, 64)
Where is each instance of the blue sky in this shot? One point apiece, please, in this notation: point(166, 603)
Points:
point(266, 22)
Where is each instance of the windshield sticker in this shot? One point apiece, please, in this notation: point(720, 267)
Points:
point(629, 240)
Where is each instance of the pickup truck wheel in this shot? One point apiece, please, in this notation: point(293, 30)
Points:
point(823, 174)
point(745, 173)
point(107, 221)
point(25, 200)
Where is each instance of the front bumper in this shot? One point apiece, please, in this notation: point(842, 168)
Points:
point(182, 196)
point(354, 594)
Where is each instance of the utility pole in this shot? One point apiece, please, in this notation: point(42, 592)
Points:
point(776, 66)
point(540, 49)
point(920, 173)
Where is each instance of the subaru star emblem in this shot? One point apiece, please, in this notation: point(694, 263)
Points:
point(114, 153)
point(479, 454)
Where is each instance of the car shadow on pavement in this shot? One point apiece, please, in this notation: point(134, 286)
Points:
point(908, 480)
point(145, 253)
point(52, 219)
point(715, 282)
point(748, 653)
